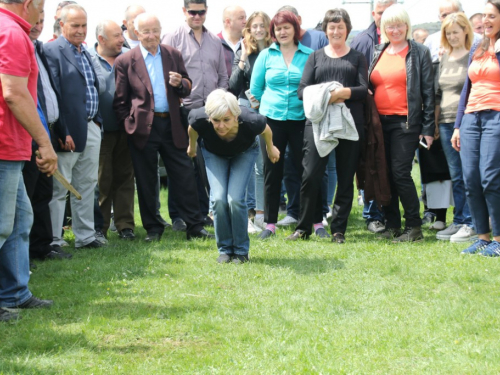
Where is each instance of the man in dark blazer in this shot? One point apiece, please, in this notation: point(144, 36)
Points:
point(150, 80)
point(78, 130)
point(38, 186)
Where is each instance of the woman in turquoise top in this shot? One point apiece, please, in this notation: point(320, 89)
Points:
point(274, 83)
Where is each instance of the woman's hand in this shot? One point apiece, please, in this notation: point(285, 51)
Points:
point(273, 154)
point(191, 152)
point(455, 140)
point(244, 54)
point(335, 97)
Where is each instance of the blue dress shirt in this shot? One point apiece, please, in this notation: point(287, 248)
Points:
point(155, 71)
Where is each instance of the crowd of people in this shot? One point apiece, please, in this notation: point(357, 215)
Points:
point(241, 118)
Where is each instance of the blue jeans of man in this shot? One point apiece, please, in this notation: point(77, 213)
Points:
point(228, 178)
point(15, 226)
point(461, 214)
point(480, 154)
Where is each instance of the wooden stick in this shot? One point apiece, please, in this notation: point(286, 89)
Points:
point(59, 177)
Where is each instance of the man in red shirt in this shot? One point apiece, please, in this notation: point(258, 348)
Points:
point(19, 124)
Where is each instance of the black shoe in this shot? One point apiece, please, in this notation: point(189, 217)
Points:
point(164, 222)
point(153, 237)
point(126, 234)
point(251, 213)
point(224, 258)
point(178, 225)
point(298, 235)
point(93, 245)
point(5, 315)
point(266, 233)
point(322, 233)
point(338, 238)
point(208, 222)
point(239, 259)
point(32, 303)
point(200, 234)
point(99, 236)
point(57, 253)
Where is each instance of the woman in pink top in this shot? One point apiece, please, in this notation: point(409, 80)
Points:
point(477, 134)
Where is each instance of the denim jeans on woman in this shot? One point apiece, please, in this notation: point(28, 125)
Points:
point(480, 154)
point(228, 178)
point(15, 226)
point(461, 214)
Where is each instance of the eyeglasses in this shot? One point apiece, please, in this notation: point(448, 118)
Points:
point(399, 26)
point(200, 13)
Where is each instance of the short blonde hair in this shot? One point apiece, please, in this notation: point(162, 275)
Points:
point(395, 13)
point(219, 102)
point(461, 20)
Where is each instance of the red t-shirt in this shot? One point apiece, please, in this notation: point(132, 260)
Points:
point(17, 58)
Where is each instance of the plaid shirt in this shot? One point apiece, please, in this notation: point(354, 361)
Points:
point(86, 67)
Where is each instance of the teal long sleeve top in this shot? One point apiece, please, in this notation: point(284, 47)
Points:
point(275, 85)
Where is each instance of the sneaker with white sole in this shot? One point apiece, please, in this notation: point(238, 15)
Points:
point(252, 228)
point(492, 250)
point(288, 220)
point(465, 234)
point(445, 234)
point(324, 222)
point(438, 225)
point(375, 226)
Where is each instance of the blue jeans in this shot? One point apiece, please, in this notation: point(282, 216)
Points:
point(15, 227)
point(228, 178)
point(461, 213)
point(371, 211)
point(480, 154)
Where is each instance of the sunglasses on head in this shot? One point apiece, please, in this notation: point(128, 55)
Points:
point(200, 13)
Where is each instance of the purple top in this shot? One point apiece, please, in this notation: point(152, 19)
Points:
point(204, 62)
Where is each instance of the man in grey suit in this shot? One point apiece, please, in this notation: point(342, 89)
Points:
point(78, 128)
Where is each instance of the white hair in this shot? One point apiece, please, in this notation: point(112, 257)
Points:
point(144, 17)
point(385, 2)
point(456, 4)
point(219, 102)
point(68, 8)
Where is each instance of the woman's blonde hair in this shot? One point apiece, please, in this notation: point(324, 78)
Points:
point(247, 34)
point(461, 20)
point(219, 102)
point(394, 14)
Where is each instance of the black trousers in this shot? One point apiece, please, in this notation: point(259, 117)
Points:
point(39, 188)
point(311, 204)
point(284, 132)
point(401, 141)
point(180, 173)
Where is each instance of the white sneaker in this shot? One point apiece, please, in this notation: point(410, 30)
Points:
point(252, 228)
point(288, 220)
point(465, 234)
point(438, 225)
point(258, 222)
point(448, 232)
point(325, 222)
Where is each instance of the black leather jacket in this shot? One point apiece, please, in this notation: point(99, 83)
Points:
point(419, 85)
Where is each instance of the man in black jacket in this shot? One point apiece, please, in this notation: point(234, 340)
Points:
point(38, 185)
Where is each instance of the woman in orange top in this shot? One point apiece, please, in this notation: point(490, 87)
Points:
point(477, 134)
point(402, 79)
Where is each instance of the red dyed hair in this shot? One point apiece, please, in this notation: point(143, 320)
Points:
point(282, 17)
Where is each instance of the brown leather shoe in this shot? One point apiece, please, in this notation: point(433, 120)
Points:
point(338, 238)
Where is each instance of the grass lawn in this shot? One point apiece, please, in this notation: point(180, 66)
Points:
point(309, 307)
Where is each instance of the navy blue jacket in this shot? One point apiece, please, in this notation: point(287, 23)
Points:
point(464, 96)
point(71, 86)
point(365, 41)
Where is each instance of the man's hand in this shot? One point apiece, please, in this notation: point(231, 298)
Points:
point(428, 140)
point(47, 162)
point(175, 79)
point(69, 145)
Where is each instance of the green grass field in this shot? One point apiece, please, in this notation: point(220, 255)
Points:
point(309, 307)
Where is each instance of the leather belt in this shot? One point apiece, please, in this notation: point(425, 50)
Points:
point(162, 114)
point(51, 125)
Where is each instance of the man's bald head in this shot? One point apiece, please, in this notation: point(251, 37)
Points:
point(234, 19)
